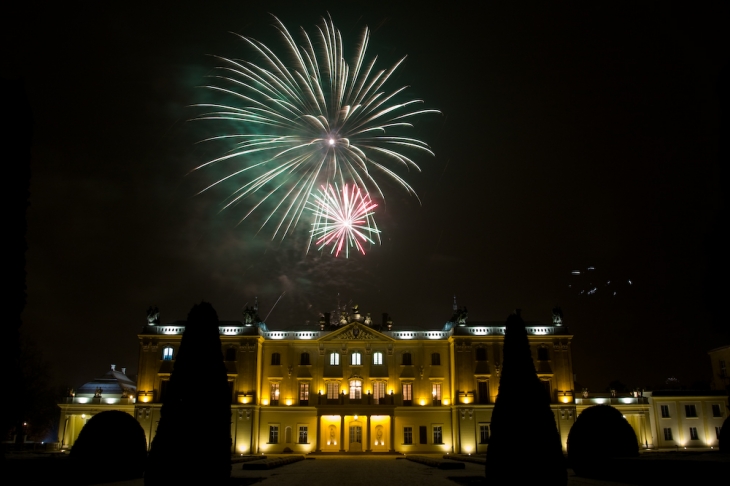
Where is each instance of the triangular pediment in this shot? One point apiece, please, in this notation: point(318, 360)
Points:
point(356, 332)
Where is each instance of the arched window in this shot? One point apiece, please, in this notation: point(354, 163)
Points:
point(275, 359)
point(355, 359)
point(407, 359)
point(167, 353)
point(481, 354)
point(335, 359)
point(231, 354)
point(378, 358)
point(542, 354)
point(304, 359)
point(355, 389)
point(435, 359)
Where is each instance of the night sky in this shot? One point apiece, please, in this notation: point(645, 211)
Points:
point(568, 139)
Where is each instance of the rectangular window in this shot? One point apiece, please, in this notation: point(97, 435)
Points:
point(693, 433)
point(716, 412)
point(334, 359)
point(167, 354)
point(437, 437)
point(690, 411)
point(377, 358)
point(407, 393)
point(407, 359)
point(723, 369)
point(483, 391)
point(333, 390)
point(355, 359)
point(435, 359)
point(484, 433)
point(303, 434)
point(408, 435)
point(667, 433)
point(665, 411)
point(303, 393)
point(436, 393)
point(304, 360)
point(275, 359)
point(274, 393)
point(423, 433)
point(273, 434)
point(378, 391)
point(717, 432)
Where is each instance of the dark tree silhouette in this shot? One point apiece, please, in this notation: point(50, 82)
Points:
point(17, 139)
point(193, 437)
point(524, 447)
point(111, 447)
point(34, 410)
point(600, 433)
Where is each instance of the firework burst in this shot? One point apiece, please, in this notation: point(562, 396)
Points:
point(342, 219)
point(311, 121)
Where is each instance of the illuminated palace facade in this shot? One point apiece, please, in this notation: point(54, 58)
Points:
point(356, 386)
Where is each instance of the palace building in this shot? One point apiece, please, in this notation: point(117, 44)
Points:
point(355, 385)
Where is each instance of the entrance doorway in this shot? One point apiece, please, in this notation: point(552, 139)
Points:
point(355, 438)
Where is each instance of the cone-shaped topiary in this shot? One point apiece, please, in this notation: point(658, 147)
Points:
point(524, 447)
point(111, 447)
point(725, 437)
point(599, 434)
point(193, 439)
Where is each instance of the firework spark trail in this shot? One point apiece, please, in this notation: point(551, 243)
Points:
point(310, 123)
point(343, 219)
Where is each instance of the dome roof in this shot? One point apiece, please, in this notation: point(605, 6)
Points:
point(112, 384)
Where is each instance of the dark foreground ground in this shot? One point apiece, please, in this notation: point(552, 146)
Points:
point(653, 468)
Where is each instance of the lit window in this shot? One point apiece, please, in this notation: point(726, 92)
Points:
point(665, 411)
point(436, 393)
point(408, 435)
point(716, 412)
point(378, 391)
point(484, 434)
point(333, 390)
point(273, 434)
point(481, 354)
point(407, 358)
point(304, 359)
point(355, 359)
point(437, 437)
point(303, 393)
point(690, 411)
point(407, 393)
point(275, 359)
point(167, 354)
point(334, 359)
point(274, 393)
point(355, 389)
point(667, 433)
point(693, 433)
point(303, 434)
point(435, 359)
point(378, 358)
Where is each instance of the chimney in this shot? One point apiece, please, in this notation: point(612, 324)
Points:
point(124, 371)
point(113, 366)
